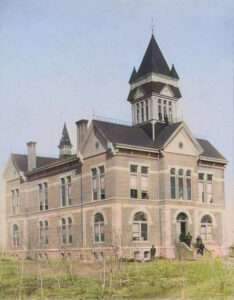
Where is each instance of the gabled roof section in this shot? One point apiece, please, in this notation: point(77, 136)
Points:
point(122, 134)
point(20, 161)
point(209, 150)
point(153, 61)
point(154, 87)
point(133, 76)
point(65, 139)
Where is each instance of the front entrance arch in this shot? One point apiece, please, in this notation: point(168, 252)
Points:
point(181, 224)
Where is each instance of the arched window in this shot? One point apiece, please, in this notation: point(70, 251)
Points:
point(188, 185)
point(99, 236)
point(140, 230)
point(181, 224)
point(173, 183)
point(206, 228)
point(181, 183)
point(15, 235)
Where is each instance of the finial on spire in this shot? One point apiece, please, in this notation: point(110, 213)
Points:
point(152, 26)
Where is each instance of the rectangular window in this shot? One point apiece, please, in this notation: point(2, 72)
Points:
point(181, 188)
point(94, 183)
point(45, 195)
point(41, 235)
point(133, 181)
point(69, 233)
point(96, 233)
point(143, 232)
point(138, 113)
point(102, 182)
point(64, 233)
point(69, 198)
point(13, 202)
point(40, 194)
point(209, 192)
point(201, 176)
point(142, 112)
point(159, 112)
point(63, 190)
point(173, 187)
point(144, 182)
point(209, 177)
point(146, 110)
point(136, 232)
point(188, 184)
point(201, 192)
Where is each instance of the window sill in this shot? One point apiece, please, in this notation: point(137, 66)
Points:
point(99, 243)
point(147, 241)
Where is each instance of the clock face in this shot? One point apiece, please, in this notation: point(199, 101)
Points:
point(180, 145)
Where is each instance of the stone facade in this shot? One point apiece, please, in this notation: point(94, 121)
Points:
point(126, 188)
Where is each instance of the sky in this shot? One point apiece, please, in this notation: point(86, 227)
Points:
point(60, 60)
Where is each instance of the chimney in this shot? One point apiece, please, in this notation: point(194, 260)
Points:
point(31, 155)
point(82, 126)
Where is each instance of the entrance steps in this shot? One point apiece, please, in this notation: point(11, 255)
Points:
point(184, 252)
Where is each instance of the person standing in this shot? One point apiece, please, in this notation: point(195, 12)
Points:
point(188, 239)
point(152, 252)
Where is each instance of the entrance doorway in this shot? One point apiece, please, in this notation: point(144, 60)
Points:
point(181, 224)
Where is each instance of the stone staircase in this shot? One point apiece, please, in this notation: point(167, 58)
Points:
point(183, 252)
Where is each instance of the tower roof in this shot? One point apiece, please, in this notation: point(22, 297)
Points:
point(153, 61)
point(174, 74)
point(133, 76)
point(65, 139)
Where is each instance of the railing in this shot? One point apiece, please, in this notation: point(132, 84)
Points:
point(111, 120)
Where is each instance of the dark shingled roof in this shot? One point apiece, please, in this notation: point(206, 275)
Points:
point(153, 61)
point(209, 150)
point(174, 74)
point(137, 135)
point(21, 161)
point(154, 87)
point(142, 136)
point(65, 139)
point(133, 76)
point(122, 134)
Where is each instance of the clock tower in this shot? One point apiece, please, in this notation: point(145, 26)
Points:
point(154, 89)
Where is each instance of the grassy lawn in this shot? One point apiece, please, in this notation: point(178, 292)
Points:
point(162, 279)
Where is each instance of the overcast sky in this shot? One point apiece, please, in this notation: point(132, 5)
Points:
point(60, 60)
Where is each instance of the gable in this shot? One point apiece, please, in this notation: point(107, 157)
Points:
point(182, 143)
point(95, 144)
point(11, 173)
point(139, 93)
point(166, 91)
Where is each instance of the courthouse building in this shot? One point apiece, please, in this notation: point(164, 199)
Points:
point(127, 187)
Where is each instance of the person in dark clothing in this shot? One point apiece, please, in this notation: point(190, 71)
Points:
point(152, 252)
point(201, 248)
point(182, 238)
point(188, 239)
point(199, 245)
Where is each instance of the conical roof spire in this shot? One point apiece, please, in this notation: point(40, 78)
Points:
point(174, 74)
point(153, 61)
point(65, 139)
point(133, 76)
